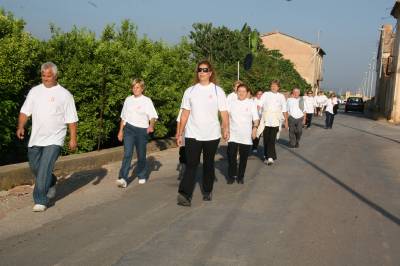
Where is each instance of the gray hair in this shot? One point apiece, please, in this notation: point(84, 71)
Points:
point(49, 65)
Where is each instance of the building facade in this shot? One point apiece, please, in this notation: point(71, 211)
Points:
point(307, 58)
point(387, 90)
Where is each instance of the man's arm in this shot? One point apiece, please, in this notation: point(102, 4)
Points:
point(22, 119)
point(73, 136)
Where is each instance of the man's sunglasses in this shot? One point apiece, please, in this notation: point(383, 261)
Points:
point(203, 69)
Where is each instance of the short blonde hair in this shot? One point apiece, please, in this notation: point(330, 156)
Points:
point(137, 81)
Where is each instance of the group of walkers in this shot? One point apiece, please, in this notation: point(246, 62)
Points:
point(206, 115)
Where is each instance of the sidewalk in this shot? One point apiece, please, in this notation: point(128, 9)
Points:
point(75, 193)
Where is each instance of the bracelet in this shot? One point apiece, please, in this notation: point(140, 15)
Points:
point(255, 127)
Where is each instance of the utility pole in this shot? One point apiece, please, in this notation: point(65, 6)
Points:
point(238, 70)
point(364, 83)
point(372, 79)
point(382, 42)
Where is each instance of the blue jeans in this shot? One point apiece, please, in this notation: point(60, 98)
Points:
point(42, 160)
point(134, 137)
point(329, 119)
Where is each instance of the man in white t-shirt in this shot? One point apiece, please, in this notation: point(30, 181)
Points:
point(52, 108)
point(297, 118)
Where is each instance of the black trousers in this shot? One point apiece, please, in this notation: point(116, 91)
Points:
point(194, 148)
point(182, 155)
point(255, 143)
point(244, 151)
point(309, 119)
point(329, 119)
point(269, 134)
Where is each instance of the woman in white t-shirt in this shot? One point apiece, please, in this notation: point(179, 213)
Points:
point(199, 120)
point(137, 121)
point(243, 123)
point(274, 109)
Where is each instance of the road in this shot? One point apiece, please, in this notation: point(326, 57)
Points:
point(333, 201)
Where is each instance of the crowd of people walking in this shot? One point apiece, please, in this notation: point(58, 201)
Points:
point(205, 116)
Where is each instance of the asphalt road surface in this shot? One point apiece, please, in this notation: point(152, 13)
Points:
point(333, 201)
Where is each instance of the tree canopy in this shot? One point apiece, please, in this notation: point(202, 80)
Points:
point(98, 70)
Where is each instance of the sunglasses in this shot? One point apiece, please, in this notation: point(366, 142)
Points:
point(203, 69)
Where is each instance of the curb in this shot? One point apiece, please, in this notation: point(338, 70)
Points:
point(20, 174)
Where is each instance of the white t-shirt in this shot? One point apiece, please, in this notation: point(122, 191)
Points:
point(329, 106)
point(259, 105)
point(321, 100)
point(204, 102)
point(309, 104)
point(241, 117)
point(274, 104)
point(293, 107)
point(138, 111)
point(51, 109)
point(231, 97)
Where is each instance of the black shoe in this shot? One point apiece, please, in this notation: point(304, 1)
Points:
point(292, 146)
point(297, 145)
point(240, 181)
point(183, 201)
point(230, 181)
point(207, 197)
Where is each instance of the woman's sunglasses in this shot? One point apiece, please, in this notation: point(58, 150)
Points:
point(203, 69)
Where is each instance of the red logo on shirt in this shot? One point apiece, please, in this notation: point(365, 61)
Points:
point(210, 96)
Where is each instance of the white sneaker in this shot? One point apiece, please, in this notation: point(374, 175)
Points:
point(142, 181)
point(270, 161)
point(51, 194)
point(121, 183)
point(255, 150)
point(39, 208)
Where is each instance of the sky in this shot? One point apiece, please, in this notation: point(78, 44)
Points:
point(349, 29)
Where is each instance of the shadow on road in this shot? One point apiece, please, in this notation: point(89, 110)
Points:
point(77, 180)
point(354, 193)
point(152, 165)
point(370, 133)
point(222, 164)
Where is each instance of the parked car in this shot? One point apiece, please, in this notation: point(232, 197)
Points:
point(354, 104)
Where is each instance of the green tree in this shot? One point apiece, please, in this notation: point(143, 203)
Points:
point(225, 47)
point(19, 53)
